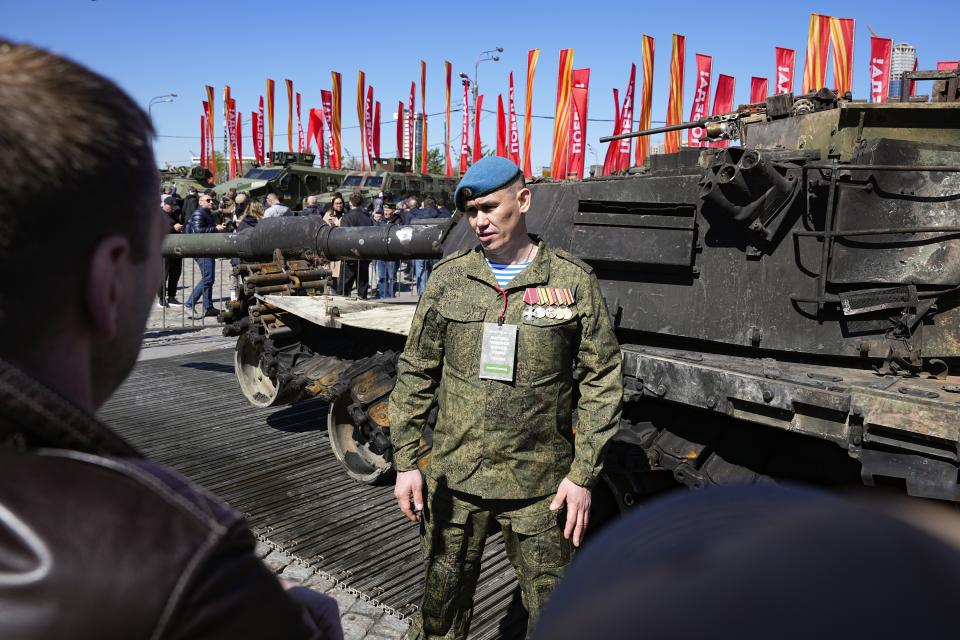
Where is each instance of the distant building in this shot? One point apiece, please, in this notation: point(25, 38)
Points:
point(903, 58)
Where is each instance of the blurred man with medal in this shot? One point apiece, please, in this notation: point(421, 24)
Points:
point(509, 337)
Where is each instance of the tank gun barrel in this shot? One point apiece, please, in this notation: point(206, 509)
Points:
point(652, 132)
point(300, 236)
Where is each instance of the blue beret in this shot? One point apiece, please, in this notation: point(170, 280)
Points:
point(485, 176)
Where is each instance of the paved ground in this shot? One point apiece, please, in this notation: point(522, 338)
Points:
point(361, 619)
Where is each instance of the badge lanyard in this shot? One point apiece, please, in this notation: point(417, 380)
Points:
point(503, 310)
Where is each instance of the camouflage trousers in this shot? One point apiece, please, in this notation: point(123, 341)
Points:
point(454, 528)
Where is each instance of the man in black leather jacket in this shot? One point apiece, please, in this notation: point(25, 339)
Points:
point(95, 540)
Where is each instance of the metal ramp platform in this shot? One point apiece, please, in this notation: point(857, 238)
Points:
point(276, 467)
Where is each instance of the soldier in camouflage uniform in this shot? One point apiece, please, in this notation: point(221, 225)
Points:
point(504, 451)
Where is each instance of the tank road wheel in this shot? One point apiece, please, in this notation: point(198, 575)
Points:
point(351, 449)
point(260, 389)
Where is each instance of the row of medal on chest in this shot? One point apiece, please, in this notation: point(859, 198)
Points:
point(548, 302)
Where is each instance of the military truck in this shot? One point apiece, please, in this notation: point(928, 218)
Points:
point(392, 177)
point(182, 179)
point(291, 176)
point(788, 308)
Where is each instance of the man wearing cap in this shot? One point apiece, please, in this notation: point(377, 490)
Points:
point(501, 336)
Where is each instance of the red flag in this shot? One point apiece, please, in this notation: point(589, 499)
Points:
point(256, 125)
point(289, 84)
point(626, 124)
point(270, 108)
point(758, 89)
point(401, 121)
point(376, 130)
point(368, 124)
point(578, 123)
point(701, 99)
point(423, 109)
point(880, 51)
point(336, 151)
point(465, 131)
point(411, 129)
point(671, 140)
point(913, 85)
point(312, 130)
point(228, 133)
point(477, 147)
point(315, 131)
point(723, 102)
point(326, 100)
point(513, 149)
point(361, 118)
point(321, 148)
point(300, 142)
point(947, 65)
point(818, 47)
point(561, 121)
point(786, 60)
point(610, 160)
point(212, 161)
point(646, 100)
point(232, 132)
point(501, 128)
point(262, 159)
point(237, 127)
point(532, 56)
point(446, 130)
point(841, 33)
point(203, 139)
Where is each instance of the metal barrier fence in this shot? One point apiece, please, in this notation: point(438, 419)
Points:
point(178, 315)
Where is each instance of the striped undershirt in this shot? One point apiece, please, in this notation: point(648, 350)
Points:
point(504, 273)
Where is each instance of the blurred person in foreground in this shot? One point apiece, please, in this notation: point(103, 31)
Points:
point(763, 561)
point(95, 540)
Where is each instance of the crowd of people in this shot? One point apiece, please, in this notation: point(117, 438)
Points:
point(204, 212)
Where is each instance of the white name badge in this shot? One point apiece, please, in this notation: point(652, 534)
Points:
point(498, 351)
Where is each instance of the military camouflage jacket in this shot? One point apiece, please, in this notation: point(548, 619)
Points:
point(508, 439)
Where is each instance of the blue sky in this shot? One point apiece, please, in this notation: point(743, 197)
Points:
point(162, 46)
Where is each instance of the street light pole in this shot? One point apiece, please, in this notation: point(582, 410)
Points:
point(485, 56)
point(167, 97)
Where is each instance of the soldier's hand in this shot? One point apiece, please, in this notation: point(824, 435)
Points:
point(577, 499)
point(409, 489)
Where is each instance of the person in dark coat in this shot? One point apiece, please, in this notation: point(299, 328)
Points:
point(203, 221)
point(172, 265)
point(190, 203)
point(355, 270)
point(387, 269)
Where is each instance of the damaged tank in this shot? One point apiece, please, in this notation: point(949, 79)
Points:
point(788, 307)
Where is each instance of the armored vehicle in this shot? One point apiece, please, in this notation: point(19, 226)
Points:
point(788, 308)
point(291, 176)
point(393, 179)
point(182, 179)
